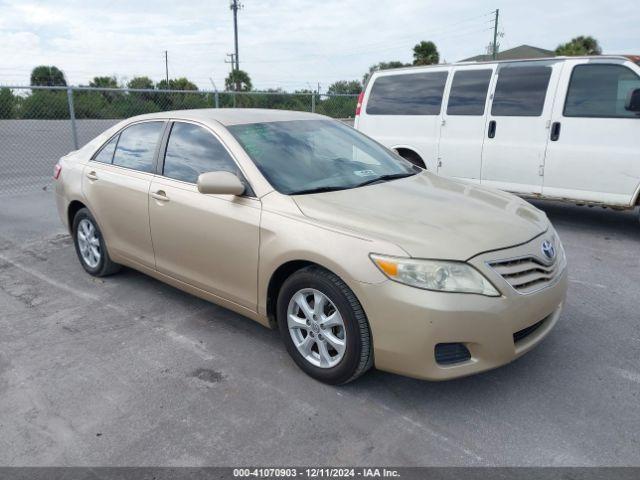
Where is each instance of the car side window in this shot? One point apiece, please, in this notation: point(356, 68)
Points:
point(193, 150)
point(600, 90)
point(469, 92)
point(137, 146)
point(105, 155)
point(521, 90)
point(407, 94)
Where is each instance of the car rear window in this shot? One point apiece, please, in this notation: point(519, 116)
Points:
point(521, 90)
point(407, 94)
point(137, 146)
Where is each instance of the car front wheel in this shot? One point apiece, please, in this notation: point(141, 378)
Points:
point(324, 327)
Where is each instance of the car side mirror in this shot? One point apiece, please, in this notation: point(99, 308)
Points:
point(633, 101)
point(220, 183)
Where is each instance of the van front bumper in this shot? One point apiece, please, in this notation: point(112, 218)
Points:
point(407, 323)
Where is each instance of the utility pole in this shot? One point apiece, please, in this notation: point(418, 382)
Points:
point(166, 67)
point(235, 6)
point(495, 34)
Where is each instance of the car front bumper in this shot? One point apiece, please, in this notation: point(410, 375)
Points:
point(407, 323)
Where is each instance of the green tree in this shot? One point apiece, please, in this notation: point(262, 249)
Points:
point(142, 83)
point(104, 82)
point(178, 100)
point(580, 46)
point(238, 81)
point(45, 104)
point(382, 66)
point(7, 103)
point(425, 53)
point(345, 86)
point(181, 83)
point(47, 76)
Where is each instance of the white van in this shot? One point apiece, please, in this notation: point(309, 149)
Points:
point(563, 128)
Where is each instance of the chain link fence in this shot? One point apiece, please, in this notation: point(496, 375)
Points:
point(38, 125)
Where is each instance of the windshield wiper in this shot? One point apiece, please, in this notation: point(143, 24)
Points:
point(317, 190)
point(385, 178)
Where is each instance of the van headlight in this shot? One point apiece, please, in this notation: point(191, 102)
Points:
point(442, 276)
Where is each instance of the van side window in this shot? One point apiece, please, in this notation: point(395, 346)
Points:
point(409, 94)
point(600, 90)
point(192, 150)
point(105, 155)
point(137, 146)
point(469, 92)
point(521, 90)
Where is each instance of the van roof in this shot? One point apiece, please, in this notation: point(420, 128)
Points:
point(633, 58)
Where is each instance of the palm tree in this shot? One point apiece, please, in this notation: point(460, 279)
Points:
point(580, 46)
point(238, 80)
point(425, 53)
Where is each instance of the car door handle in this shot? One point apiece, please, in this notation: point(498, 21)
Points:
point(555, 132)
point(160, 195)
point(492, 129)
point(92, 175)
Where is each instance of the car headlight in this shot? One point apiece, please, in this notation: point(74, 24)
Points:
point(443, 276)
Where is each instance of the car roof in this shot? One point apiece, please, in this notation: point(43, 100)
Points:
point(232, 116)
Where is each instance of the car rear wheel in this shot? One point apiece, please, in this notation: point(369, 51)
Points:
point(90, 246)
point(324, 327)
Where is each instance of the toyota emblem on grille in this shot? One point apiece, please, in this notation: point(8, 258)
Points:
point(548, 249)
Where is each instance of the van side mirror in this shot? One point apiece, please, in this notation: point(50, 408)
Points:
point(633, 101)
point(220, 183)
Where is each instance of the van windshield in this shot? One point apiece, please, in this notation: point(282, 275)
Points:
point(311, 156)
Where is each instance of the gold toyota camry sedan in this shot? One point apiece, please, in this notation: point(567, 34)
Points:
point(306, 225)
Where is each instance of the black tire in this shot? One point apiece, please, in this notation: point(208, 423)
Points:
point(104, 266)
point(412, 157)
point(358, 354)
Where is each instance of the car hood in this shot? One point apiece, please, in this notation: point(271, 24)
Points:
point(429, 216)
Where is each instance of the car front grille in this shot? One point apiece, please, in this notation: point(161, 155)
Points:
point(527, 274)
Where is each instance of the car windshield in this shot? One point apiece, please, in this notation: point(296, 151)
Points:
point(310, 156)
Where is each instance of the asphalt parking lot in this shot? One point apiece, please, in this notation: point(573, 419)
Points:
point(128, 371)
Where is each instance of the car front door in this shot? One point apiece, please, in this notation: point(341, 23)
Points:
point(208, 241)
point(517, 128)
point(464, 122)
point(593, 154)
point(116, 185)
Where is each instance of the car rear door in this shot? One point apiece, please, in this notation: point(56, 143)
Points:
point(464, 122)
point(593, 152)
point(208, 241)
point(517, 129)
point(116, 186)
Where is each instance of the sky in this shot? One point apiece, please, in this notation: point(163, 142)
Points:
point(288, 44)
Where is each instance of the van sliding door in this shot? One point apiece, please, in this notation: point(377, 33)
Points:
point(517, 129)
point(464, 122)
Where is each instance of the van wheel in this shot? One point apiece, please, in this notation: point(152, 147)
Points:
point(90, 246)
point(324, 327)
point(412, 157)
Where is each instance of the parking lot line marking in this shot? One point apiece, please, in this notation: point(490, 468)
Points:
point(591, 284)
point(74, 291)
